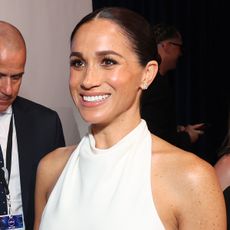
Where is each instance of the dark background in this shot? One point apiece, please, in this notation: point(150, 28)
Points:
point(201, 78)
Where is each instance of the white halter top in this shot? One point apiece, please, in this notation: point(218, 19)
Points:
point(105, 189)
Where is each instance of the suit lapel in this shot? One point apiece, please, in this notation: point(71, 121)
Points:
point(23, 141)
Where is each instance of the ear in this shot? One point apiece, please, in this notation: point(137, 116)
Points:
point(149, 74)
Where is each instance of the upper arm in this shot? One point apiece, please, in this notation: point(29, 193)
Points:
point(192, 197)
point(222, 168)
point(202, 205)
point(41, 189)
point(48, 172)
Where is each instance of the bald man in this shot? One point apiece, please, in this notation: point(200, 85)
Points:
point(27, 132)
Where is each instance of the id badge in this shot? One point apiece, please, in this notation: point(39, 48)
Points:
point(11, 222)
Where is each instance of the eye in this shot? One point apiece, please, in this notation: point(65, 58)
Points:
point(77, 63)
point(107, 62)
point(16, 77)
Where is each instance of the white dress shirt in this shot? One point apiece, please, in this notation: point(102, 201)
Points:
point(14, 183)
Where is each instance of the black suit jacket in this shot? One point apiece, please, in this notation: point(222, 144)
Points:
point(38, 131)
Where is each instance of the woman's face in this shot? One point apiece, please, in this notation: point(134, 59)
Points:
point(105, 76)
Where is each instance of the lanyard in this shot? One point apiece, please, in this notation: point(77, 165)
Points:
point(9, 148)
point(8, 158)
point(5, 172)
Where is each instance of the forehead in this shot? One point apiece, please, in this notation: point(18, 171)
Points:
point(12, 56)
point(12, 62)
point(100, 31)
point(177, 37)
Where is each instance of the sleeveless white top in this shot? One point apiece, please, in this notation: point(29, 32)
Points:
point(105, 189)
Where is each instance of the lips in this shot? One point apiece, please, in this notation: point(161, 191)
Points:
point(4, 100)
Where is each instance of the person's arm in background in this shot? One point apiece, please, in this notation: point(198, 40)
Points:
point(194, 131)
point(222, 168)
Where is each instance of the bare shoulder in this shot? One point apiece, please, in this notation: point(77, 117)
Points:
point(56, 159)
point(190, 186)
point(185, 164)
point(52, 164)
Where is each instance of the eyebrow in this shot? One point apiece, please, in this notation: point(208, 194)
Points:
point(98, 53)
point(13, 75)
point(75, 54)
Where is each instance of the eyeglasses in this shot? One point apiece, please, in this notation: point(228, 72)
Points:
point(177, 44)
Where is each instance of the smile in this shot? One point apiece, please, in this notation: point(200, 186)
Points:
point(95, 98)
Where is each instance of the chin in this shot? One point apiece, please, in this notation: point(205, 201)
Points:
point(92, 118)
point(3, 108)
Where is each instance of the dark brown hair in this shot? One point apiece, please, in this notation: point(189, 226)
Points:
point(135, 27)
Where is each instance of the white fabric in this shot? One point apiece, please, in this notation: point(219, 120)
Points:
point(105, 189)
point(14, 186)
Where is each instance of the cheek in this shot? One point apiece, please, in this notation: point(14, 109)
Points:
point(123, 78)
point(16, 88)
point(127, 81)
point(73, 80)
point(73, 86)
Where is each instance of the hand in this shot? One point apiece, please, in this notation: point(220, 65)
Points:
point(194, 131)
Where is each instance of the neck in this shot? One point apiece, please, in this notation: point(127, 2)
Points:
point(108, 135)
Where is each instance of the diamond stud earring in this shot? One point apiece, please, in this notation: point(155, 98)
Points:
point(144, 86)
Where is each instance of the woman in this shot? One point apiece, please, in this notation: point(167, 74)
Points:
point(222, 168)
point(120, 176)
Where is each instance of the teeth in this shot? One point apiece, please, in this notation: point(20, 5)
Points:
point(95, 98)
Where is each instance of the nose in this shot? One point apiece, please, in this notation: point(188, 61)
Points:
point(91, 78)
point(6, 85)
